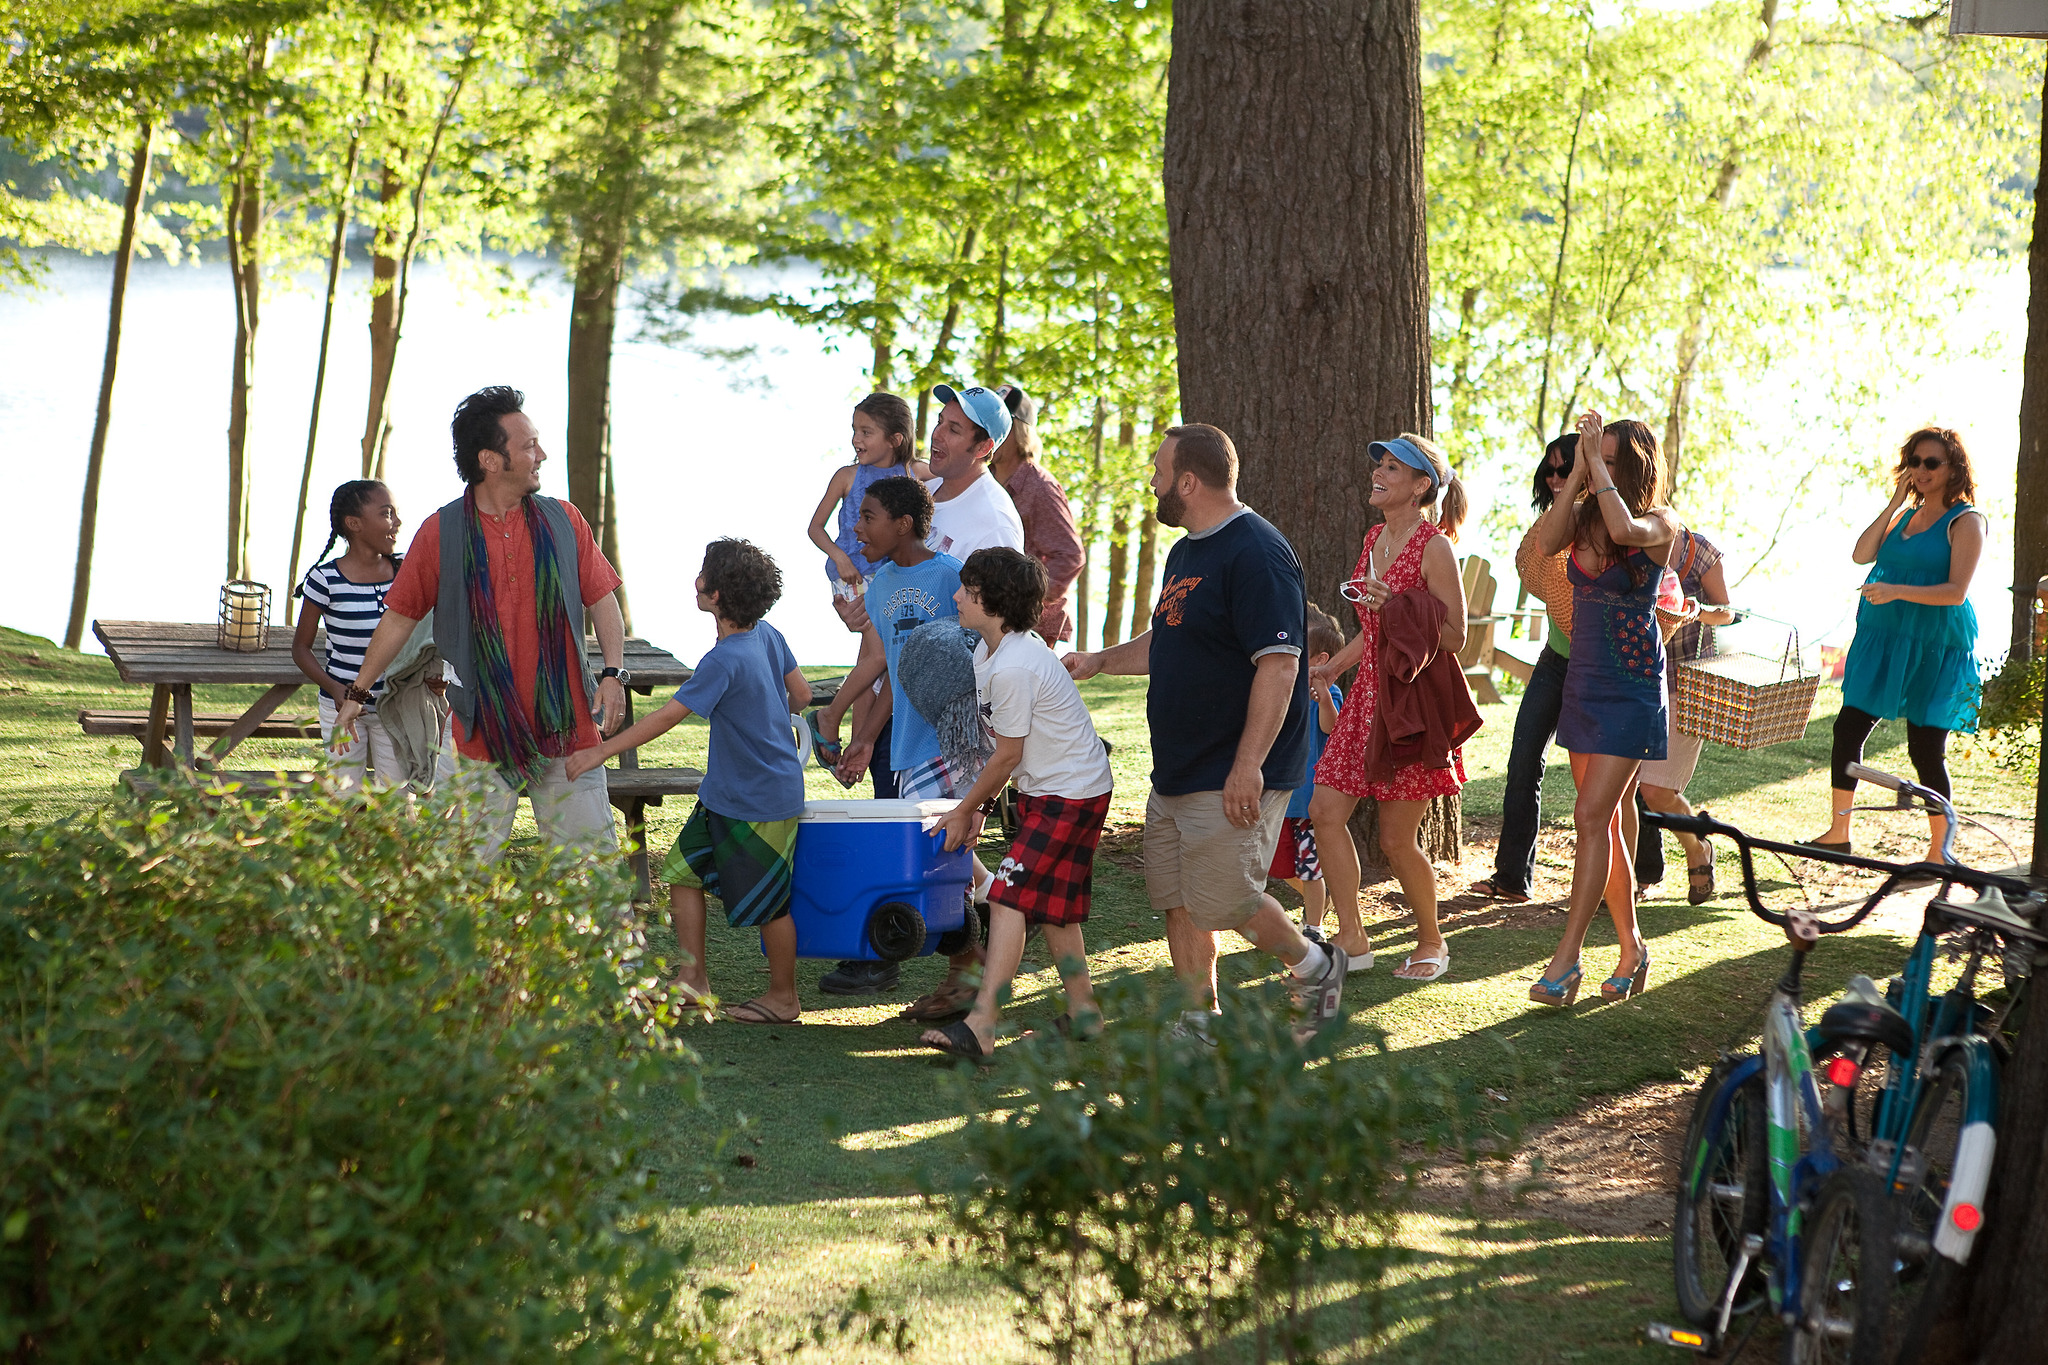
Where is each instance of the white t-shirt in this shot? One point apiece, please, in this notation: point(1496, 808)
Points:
point(1026, 693)
point(982, 516)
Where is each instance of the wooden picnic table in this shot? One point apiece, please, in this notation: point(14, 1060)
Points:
point(172, 656)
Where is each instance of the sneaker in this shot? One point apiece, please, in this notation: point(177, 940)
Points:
point(1192, 1029)
point(1314, 934)
point(861, 978)
point(1318, 1001)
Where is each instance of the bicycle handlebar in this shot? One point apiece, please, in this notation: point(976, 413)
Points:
point(1704, 825)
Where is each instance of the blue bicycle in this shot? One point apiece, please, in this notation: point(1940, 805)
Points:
point(1839, 1175)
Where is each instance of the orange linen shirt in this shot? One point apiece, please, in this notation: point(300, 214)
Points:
point(1545, 578)
point(509, 548)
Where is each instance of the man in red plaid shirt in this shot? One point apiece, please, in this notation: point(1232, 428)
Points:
point(1045, 739)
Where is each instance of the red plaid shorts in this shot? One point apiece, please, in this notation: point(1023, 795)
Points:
point(1049, 872)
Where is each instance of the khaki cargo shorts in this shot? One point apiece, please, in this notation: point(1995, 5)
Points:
point(1196, 859)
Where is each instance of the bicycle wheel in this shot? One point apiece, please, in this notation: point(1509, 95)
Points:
point(1846, 1275)
point(1723, 1197)
point(1919, 1196)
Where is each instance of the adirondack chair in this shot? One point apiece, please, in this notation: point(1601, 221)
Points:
point(1477, 657)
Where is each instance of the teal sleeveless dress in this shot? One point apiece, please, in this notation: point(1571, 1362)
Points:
point(1910, 659)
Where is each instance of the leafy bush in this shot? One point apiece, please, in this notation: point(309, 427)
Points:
point(2009, 716)
point(306, 1081)
point(1146, 1185)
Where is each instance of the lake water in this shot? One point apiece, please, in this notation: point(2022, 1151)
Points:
point(701, 452)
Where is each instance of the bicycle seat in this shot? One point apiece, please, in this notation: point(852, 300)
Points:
point(1865, 1016)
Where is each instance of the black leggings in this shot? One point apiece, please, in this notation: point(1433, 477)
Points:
point(1925, 745)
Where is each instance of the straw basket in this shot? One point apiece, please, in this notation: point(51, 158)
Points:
point(1745, 701)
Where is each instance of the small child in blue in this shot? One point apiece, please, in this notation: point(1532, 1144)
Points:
point(740, 841)
point(1294, 857)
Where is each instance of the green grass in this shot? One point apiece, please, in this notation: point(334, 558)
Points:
point(842, 1111)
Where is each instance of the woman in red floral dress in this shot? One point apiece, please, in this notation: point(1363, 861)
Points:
point(1407, 551)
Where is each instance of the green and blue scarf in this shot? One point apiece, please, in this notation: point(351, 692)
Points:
point(518, 745)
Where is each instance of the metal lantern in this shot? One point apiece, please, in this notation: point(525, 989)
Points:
point(244, 616)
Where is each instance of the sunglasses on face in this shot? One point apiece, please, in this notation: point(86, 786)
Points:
point(1931, 462)
point(1552, 471)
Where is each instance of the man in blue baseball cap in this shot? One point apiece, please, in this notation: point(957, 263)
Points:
point(970, 510)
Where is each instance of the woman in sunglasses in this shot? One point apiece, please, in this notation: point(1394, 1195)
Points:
point(1914, 654)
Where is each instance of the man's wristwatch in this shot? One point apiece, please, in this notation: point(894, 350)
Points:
point(624, 675)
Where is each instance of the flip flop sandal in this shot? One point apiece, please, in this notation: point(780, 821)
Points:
point(754, 1012)
point(961, 1042)
point(1439, 963)
point(1491, 890)
point(949, 1002)
point(827, 751)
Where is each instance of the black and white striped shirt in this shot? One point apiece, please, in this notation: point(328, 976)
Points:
point(350, 612)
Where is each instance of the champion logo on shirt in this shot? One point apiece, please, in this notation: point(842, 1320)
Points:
point(1172, 598)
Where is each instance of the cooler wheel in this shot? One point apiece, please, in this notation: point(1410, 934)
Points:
point(896, 931)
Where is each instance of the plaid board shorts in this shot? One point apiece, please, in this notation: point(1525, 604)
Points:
point(933, 780)
point(1295, 854)
point(1049, 872)
point(745, 863)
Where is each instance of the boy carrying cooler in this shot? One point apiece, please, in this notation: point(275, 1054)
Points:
point(1045, 738)
point(739, 842)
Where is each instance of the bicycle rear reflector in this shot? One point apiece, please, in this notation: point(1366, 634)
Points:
point(1967, 1217)
point(1842, 1071)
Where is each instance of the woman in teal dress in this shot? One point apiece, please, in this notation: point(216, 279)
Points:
point(1914, 654)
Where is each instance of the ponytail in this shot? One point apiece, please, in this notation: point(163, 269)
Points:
point(1451, 515)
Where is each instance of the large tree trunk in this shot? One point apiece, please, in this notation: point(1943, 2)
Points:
point(383, 318)
point(1294, 202)
point(2002, 1316)
point(89, 504)
point(2030, 521)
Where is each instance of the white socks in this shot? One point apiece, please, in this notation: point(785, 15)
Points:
point(1312, 963)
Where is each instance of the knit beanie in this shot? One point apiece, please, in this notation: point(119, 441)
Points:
point(936, 674)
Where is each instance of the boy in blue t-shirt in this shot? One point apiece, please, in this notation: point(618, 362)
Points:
point(913, 586)
point(1295, 860)
point(739, 842)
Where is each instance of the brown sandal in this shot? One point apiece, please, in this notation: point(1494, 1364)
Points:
point(754, 1012)
point(1492, 890)
point(952, 1000)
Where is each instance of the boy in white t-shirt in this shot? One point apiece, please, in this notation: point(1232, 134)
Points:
point(1045, 738)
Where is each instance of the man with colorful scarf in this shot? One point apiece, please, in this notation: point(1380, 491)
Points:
point(509, 597)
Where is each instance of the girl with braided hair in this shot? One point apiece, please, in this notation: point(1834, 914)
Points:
point(347, 592)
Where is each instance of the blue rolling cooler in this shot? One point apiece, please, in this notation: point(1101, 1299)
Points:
point(871, 882)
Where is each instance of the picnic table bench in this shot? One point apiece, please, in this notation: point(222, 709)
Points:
point(171, 657)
